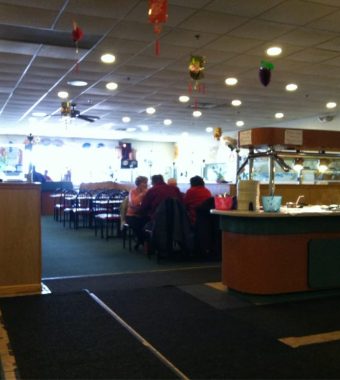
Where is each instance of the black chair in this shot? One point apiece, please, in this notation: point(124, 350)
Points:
point(81, 211)
point(207, 234)
point(169, 234)
point(109, 219)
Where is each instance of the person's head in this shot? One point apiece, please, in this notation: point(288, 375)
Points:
point(196, 181)
point(157, 179)
point(172, 182)
point(141, 181)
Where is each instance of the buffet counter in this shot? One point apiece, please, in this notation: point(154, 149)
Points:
point(20, 246)
point(294, 250)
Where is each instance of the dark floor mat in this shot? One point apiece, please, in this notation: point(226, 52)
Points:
point(71, 337)
point(209, 343)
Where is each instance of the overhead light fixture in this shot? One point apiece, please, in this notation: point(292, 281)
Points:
point(331, 105)
point(298, 164)
point(236, 102)
point(184, 98)
point(130, 129)
point(108, 58)
point(274, 51)
point(150, 110)
point(77, 83)
point(231, 81)
point(279, 115)
point(144, 128)
point(323, 165)
point(63, 94)
point(39, 114)
point(126, 119)
point(197, 113)
point(167, 122)
point(111, 86)
point(209, 129)
point(240, 123)
point(291, 87)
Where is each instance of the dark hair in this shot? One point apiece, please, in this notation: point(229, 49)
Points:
point(197, 181)
point(157, 179)
point(140, 179)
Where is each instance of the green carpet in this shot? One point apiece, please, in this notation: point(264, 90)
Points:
point(69, 252)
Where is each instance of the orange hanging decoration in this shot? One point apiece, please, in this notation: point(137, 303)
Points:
point(158, 14)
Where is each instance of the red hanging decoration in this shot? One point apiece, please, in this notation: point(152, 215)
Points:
point(77, 35)
point(158, 15)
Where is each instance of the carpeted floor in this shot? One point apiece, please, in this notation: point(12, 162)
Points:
point(71, 336)
point(68, 252)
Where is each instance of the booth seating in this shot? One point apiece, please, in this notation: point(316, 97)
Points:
point(105, 186)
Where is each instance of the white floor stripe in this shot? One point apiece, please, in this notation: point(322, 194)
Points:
point(298, 341)
point(139, 337)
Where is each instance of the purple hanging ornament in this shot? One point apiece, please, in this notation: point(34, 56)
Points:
point(265, 72)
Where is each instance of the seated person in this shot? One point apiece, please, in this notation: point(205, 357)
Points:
point(37, 177)
point(156, 194)
point(132, 217)
point(47, 177)
point(195, 196)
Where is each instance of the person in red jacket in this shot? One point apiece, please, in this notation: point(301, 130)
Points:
point(156, 194)
point(195, 196)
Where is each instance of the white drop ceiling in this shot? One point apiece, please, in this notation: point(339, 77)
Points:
point(38, 58)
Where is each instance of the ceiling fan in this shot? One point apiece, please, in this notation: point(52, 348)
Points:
point(69, 109)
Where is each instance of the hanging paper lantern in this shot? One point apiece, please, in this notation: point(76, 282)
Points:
point(65, 109)
point(158, 14)
point(196, 67)
point(217, 133)
point(265, 72)
point(77, 34)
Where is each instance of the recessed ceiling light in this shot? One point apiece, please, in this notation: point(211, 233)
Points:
point(144, 128)
point(184, 134)
point(184, 98)
point(108, 58)
point(331, 105)
point(209, 129)
point(126, 119)
point(274, 51)
point(111, 86)
point(197, 113)
point(131, 129)
point(236, 103)
point(150, 110)
point(167, 122)
point(39, 114)
point(231, 81)
point(77, 83)
point(279, 115)
point(291, 87)
point(63, 94)
point(240, 123)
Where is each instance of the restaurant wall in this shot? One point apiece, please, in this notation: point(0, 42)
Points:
point(96, 160)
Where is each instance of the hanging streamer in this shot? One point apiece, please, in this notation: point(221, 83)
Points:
point(158, 15)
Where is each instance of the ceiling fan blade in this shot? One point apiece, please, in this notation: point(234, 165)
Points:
point(87, 118)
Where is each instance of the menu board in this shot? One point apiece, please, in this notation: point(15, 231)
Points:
point(293, 137)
